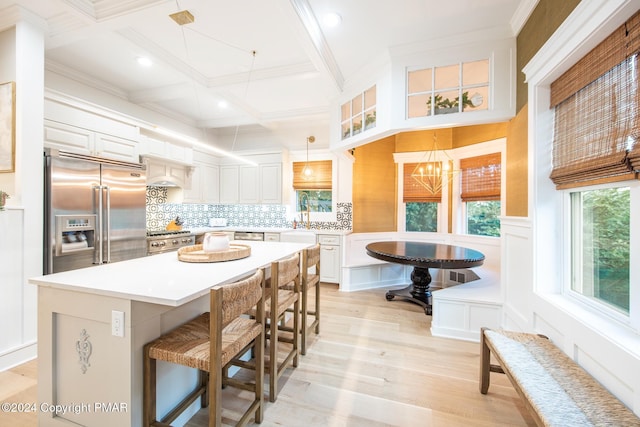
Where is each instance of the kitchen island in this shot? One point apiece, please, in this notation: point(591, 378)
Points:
point(94, 322)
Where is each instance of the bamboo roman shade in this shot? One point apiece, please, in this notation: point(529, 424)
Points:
point(319, 180)
point(413, 191)
point(481, 177)
point(596, 105)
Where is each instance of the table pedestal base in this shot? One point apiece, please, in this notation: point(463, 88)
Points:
point(418, 292)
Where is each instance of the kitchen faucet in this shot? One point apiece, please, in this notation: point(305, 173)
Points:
point(302, 196)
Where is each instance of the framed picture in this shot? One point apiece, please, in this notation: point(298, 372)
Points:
point(7, 127)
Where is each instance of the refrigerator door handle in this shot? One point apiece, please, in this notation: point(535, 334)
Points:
point(99, 225)
point(108, 215)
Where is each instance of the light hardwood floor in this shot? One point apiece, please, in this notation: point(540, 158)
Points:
point(374, 363)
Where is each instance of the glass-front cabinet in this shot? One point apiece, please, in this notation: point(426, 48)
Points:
point(429, 86)
point(359, 113)
point(456, 88)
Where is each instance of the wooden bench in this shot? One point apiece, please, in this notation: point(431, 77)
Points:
point(555, 389)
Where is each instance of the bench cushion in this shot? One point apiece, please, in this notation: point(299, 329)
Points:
point(561, 392)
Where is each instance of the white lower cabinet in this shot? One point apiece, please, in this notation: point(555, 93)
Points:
point(271, 237)
point(329, 258)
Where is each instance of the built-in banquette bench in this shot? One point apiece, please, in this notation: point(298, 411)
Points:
point(459, 309)
point(555, 389)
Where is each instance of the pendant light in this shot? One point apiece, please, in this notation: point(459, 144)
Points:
point(307, 172)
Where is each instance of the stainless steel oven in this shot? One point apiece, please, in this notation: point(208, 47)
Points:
point(165, 241)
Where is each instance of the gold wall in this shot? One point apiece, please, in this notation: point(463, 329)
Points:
point(375, 190)
point(543, 22)
point(517, 171)
point(374, 187)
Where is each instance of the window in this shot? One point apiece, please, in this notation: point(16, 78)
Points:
point(314, 200)
point(600, 242)
point(480, 193)
point(421, 216)
point(439, 90)
point(359, 113)
point(595, 147)
point(421, 205)
point(314, 191)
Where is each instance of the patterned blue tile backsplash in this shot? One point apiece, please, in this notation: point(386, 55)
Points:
point(160, 212)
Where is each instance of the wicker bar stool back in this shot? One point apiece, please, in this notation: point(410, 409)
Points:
point(193, 346)
point(310, 281)
point(283, 289)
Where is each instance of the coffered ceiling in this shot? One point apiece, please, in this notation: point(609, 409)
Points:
point(254, 65)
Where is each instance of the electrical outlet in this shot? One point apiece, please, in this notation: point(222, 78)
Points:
point(117, 323)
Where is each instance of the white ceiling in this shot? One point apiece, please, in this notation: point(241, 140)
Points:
point(299, 67)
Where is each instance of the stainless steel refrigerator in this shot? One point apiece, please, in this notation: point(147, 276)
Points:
point(94, 211)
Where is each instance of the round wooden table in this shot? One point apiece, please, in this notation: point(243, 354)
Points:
point(422, 256)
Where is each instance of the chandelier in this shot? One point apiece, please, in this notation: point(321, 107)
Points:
point(434, 170)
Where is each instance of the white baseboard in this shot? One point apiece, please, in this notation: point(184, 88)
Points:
point(18, 355)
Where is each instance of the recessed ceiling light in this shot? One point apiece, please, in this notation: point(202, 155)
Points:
point(332, 19)
point(144, 61)
point(223, 104)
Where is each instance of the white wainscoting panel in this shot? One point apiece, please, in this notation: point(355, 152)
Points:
point(460, 311)
point(15, 344)
point(517, 272)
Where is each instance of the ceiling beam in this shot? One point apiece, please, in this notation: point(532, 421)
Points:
point(323, 52)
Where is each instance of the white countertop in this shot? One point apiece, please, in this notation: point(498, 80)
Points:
point(163, 279)
point(202, 230)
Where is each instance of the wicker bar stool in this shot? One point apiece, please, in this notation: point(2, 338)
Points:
point(282, 292)
point(191, 345)
point(284, 275)
point(309, 280)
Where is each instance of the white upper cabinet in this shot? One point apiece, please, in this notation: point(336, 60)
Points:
point(115, 147)
point(84, 131)
point(205, 181)
point(166, 150)
point(82, 141)
point(247, 184)
point(66, 137)
point(248, 181)
point(229, 184)
point(270, 184)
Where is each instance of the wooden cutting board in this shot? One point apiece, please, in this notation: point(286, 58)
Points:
point(195, 253)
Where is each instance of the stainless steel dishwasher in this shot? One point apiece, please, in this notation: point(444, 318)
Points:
point(248, 235)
